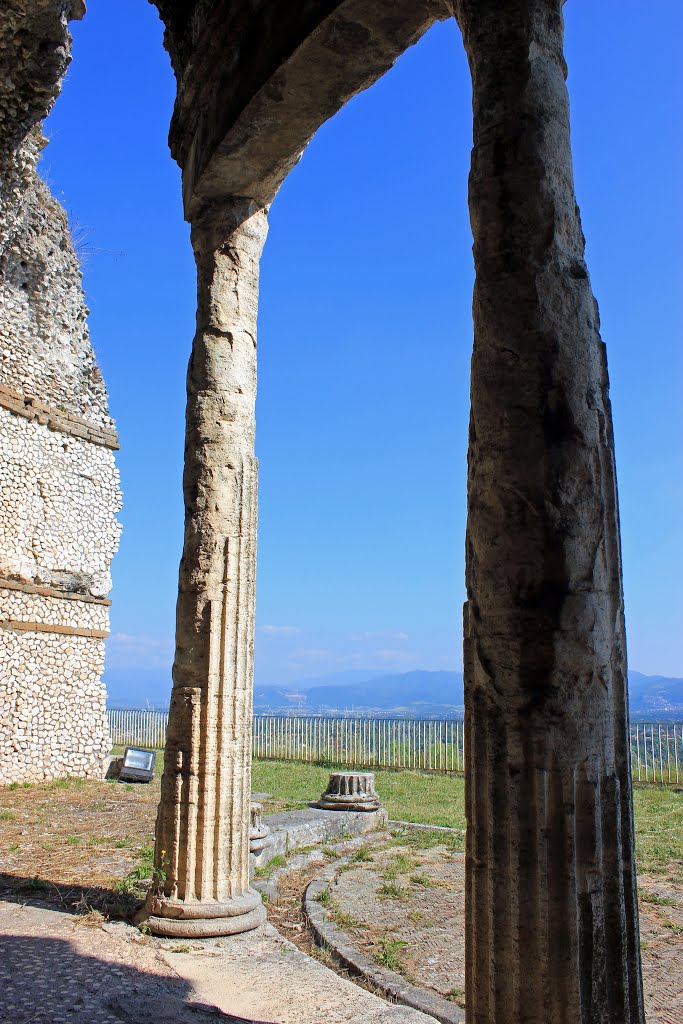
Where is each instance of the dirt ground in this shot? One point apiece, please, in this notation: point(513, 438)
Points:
point(85, 846)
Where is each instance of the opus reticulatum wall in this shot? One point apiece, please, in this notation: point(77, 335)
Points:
point(59, 486)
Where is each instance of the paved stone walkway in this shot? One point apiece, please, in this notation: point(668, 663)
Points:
point(408, 904)
point(54, 970)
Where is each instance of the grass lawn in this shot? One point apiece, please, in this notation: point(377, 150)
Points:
point(658, 812)
point(429, 799)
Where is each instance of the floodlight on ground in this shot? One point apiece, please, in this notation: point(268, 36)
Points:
point(138, 765)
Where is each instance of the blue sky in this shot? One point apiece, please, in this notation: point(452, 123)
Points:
point(365, 339)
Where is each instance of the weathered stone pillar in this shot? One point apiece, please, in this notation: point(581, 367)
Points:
point(202, 836)
point(552, 926)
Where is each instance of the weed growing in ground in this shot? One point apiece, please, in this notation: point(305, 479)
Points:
point(130, 885)
point(389, 953)
point(457, 995)
point(322, 954)
point(324, 897)
point(278, 861)
point(7, 816)
point(99, 841)
point(362, 855)
point(403, 862)
point(422, 878)
point(36, 884)
point(14, 847)
point(73, 840)
point(343, 919)
point(123, 844)
point(70, 782)
point(677, 929)
point(391, 891)
point(340, 917)
point(13, 786)
point(329, 852)
point(651, 897)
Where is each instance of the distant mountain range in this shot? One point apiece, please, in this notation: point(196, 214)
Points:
point(414, 694)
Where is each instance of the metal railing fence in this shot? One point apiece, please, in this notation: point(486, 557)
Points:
point(140, 727)
point(436, 745)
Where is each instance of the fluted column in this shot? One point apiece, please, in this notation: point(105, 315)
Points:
point(552, 927)
point(202, 835)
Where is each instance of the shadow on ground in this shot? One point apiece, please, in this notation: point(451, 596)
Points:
point(74, 899)
point(47, 977)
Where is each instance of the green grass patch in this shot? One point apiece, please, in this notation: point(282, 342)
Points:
point(130, 885)
point(651, 897)
point(658, 812)
point(362, 855)
point(428, 799)
point(391, 891)
point(36, 884)
point(389, 953)
point(422, 879)
point(278, 861)
point(457, 995)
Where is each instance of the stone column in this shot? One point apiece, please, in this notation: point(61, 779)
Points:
point(202, 834)
point(552, 925)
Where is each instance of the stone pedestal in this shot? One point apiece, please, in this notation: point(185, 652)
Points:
point(551, 911)
point(202, 834)
point(258, 830)
point(350, 791)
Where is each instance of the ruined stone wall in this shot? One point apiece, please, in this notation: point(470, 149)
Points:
point(59, 486)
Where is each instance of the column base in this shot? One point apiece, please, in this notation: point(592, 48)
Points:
point(195, 920)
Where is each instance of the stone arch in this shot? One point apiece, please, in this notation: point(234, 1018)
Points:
point(240, 133)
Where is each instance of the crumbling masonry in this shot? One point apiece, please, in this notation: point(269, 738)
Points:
point(551, 919)
point(59, 487)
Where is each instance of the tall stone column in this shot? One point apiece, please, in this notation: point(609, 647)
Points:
point(202, 835)
point(552, 925)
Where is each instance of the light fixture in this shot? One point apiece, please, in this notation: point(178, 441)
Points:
point(138, 765)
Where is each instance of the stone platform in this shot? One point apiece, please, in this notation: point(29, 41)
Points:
point(313, 826)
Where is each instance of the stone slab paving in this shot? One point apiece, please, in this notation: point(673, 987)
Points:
point(55, 970)
point(411, 901)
